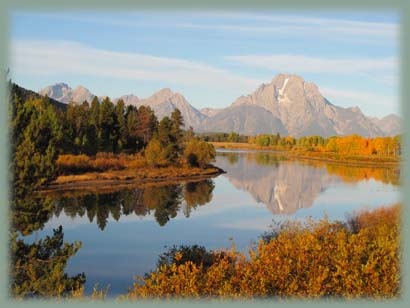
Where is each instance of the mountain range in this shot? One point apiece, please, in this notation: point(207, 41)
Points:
point(287, 105)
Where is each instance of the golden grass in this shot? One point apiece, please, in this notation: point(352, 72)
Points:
point(141, 173)
point(68, 164)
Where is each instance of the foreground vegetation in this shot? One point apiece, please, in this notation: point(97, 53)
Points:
point(353, 259)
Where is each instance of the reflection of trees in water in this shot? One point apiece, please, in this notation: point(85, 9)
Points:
point(352, 174)
point(197, 194)
point(266, 159)
point(232, 157)
point(163, 201)
point(30, 214)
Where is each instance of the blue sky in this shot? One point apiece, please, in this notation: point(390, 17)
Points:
point(212, 57)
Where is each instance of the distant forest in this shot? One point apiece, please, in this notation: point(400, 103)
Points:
point(347, 145)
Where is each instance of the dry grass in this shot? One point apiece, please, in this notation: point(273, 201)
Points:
point(141, 173)
point(74, 164)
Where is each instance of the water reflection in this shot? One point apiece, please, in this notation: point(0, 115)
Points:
point(286, 186)
point(164, 202)
point(29, 214)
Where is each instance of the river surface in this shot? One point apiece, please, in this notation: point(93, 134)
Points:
point(123, 232)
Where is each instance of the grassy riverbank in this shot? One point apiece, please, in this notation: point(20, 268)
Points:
point(368, 160)
point(109, 169)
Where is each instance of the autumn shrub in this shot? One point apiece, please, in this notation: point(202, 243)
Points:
point(156, 154)
point(196, 254)
point(199, 153)
point(73, 163)
point(99, 294)
point(138, 161)
point(309, 260)
point(101, 164)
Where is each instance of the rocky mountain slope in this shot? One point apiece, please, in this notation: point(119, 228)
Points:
point(129, 99)
point(65, 94)
point(287, 105)
point(303, 110)
point(391, 125)
point(164, 102)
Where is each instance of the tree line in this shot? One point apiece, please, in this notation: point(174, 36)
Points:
point(41, 130)
point(347, 145)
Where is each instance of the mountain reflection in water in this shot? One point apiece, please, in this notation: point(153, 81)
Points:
point(285, 186)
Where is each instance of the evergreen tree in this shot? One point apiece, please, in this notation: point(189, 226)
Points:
point(167, 138)
point(177, 133)
point(35, 149)
point(132, 129)
point(107, 126)
point(121, 125)
point(38, 268)
point(95, 111)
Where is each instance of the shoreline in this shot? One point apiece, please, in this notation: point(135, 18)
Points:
point(317, 156)
point(121, 180)
point(136, 177)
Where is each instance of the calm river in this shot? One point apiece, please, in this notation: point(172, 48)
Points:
point(123, 232)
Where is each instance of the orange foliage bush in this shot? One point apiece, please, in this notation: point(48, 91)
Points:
point(73, 163)
point(355, 259)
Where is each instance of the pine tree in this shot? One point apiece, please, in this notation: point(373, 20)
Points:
point(121, 125)
point(38, 268)
point(107, 121)
point(36, 152)
point(177, 124)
